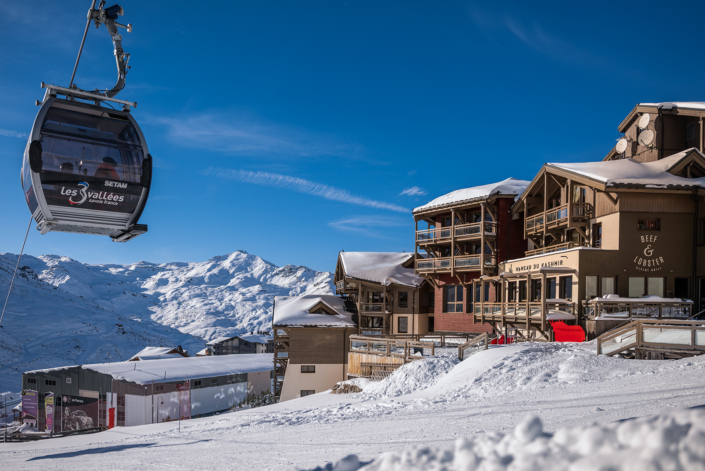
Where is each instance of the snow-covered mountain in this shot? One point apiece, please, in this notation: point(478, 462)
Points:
point(62, 311)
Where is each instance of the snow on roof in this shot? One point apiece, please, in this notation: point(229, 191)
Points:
point(690, 105)
point(630, 172)
point(202, 353)
point(218, 340)
point(178, 369)
point(256, 338)
point(380, 267)
point(156, 353)
point(294, 311)
point(510, 186)
point(613, 298)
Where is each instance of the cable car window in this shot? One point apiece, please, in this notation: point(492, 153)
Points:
point(91, 146)
point(28, 188)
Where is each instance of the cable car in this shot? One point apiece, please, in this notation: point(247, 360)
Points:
point(86, 166)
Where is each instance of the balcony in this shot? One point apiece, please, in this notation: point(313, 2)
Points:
point(375, 309)
point(554, 248)
point(460, 263)
point(557, 218)
point(616, 308)
point(345, 287)
point(463, 232)
point(518, 311)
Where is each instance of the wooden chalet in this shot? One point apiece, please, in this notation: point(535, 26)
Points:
point(465, 235)
point(389, 297)
point(311, 342)
point(623, 237)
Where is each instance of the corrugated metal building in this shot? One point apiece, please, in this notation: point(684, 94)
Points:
point(136, 393)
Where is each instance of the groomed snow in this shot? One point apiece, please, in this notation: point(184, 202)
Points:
point(176, 369)
point(509, 187)
point(630, 172)
point(293, 311)
point(384, 268)
point(480, 401)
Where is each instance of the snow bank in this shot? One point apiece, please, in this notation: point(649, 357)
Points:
point(412, 377)
point(675, 440)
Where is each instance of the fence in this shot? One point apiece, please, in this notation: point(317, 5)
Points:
point(376, 358)
point(636, 308)
point(475, 345)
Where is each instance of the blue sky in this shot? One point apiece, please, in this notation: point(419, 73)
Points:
point(294, 130)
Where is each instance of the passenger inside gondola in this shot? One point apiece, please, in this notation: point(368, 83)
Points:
point(66, 167)
point(107, 169)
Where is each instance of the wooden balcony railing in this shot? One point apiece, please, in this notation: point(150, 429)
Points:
point(462, 232)
point(342, 287)
point(519, 310)
point(434, 235)
point(374, 308)
point(459, 263)
point(557, 217)
point(654, 336)
point(554, 248)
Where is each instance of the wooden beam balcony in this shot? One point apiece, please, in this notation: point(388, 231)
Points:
point(554, 248)
point(644, 308)
point(459, 263)
point(558, 217)
point(463, 232)
point(345, 287)
point(524, 312)
point(375, 309)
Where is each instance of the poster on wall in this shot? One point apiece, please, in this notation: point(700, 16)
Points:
point(79, 413)
point(49, 408)
point(184, 390)
point(30, 407)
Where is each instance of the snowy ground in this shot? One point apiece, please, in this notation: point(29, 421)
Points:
point(430, 403)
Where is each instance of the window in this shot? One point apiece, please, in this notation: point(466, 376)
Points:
point(522, 290)
point(374, 298)
point(487, 292)
point(681, 288)
point(121, 401)
point(68, 380)
point(566, 288)
point(31, 380)
point(404, 325)
point(690, 131)
point(636, 287)
point(597, 235)
point(600, 285)
point(307, 392)
point(308, 368)
point(214, 381)
point(701, 231)
point(478, 292)
point(121, 416)
point(469, 307)
point(50, 382)
point(655, 286)
point(453, 298)
point(197, 383)
point(551, 288)
point(159, 388)
point(578, 194)
point(649, 224)
point(536, 290)
point(512, 291)
point(403, 299)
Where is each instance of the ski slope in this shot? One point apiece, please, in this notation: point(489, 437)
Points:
point(64, 312)
point(421, 411)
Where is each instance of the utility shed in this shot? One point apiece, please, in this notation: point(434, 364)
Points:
point(137, 393)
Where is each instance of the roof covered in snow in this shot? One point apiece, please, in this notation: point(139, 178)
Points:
point(156, 353)
point(252, 338)
point(623, 172)
point(688, 105)
point(384, 268)
point(294, 311)
point(179, 369)
point(508, 187)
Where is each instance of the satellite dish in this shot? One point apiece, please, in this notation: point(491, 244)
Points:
point(644, 121)
point(621, 146)
point(646, 138)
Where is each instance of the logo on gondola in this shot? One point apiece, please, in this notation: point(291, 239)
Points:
point(84, 195)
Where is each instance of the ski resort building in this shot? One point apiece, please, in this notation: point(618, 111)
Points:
point(239, 344)
point(389, 297)
point(159, 353)
point(465, 235)
point(608, 240)
point(311, 337)
point(148, 391)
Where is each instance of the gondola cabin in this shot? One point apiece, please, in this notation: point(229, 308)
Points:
point(86, 167)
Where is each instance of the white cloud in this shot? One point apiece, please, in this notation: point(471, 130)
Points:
point(8, 133)
point(237, 136)
point(413, 191)
point(364, 225)
point(302, 186)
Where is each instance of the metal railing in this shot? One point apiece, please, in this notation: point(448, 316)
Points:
point(601, 307)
